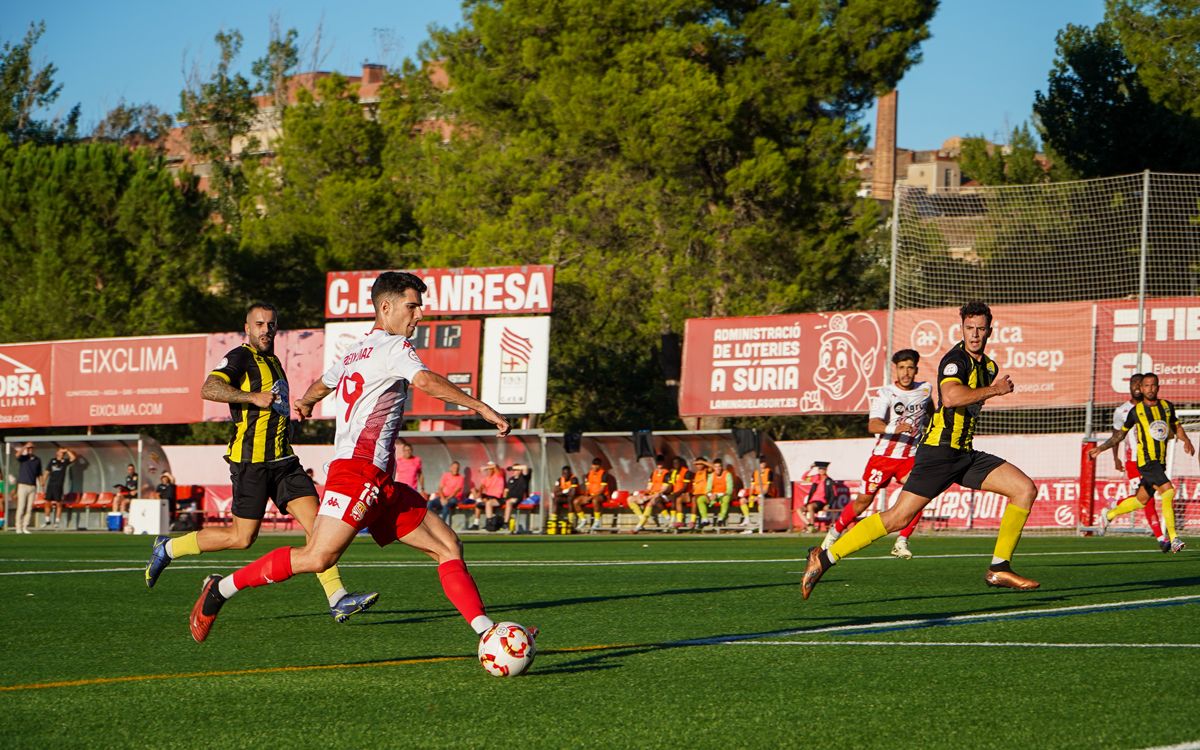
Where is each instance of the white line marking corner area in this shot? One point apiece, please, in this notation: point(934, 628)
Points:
point(1193, 745)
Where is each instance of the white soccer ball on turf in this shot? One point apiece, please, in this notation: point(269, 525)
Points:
point(506, 649)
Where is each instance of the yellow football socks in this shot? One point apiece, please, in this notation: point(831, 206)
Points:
point(1011, 525)
point(1168, 511)
point(1128, 505)
point(188, 544)
point(331, 581)
point(862, 535)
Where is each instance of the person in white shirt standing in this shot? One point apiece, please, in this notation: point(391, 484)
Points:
point(1125, 455)
point(898, 415)
point(371, 384)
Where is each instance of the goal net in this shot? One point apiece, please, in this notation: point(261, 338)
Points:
point(1088, 282)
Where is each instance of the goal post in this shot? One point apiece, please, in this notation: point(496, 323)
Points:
point(1089, 281)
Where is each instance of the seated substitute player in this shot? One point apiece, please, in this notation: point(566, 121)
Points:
point(598, 487)
point(655, 496)
point(697, 490)
point(967, 378)
point(719, 491)
point(487, 496)
point(563, 496)
point(1157, 422)
point(762, 482)
point(680, 480)
point(898, 415)
point(262, 464)
point(371, 382)
point(1128, 461)
point(449, 493)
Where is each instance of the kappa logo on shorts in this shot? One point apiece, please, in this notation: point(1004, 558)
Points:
point(336, 500)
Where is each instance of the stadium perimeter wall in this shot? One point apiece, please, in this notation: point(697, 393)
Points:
point(1039, 456)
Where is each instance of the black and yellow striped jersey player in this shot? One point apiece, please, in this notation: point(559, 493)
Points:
point(946, 455)
point(262, 464)
point(1156, 422)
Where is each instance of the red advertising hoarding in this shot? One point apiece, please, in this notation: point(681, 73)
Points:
point(781, 364)
point(502, 290)
point(831, 362)
point(25, 385)
point(300, 351)
point(1045, 349)
point(128, 381)
point(1171, 347)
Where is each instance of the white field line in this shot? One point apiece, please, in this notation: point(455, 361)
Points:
point(965, 644)
point(200, 562)
point(942, 621)
point(1193, 745)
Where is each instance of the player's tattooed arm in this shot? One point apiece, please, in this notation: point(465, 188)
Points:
point(216, 389)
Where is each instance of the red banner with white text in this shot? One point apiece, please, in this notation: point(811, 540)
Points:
point(502, 290)
point(152, 380)
point(25, 385)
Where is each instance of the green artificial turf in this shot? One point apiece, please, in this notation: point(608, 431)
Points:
point(646, 641)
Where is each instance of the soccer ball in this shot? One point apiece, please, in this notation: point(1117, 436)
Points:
point(506, 649)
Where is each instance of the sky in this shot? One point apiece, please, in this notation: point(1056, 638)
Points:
point(977, 76)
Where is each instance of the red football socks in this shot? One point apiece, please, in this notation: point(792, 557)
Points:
point(273, 567)
point(460, 589)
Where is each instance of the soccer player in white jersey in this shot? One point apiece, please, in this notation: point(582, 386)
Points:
point(371, 384)
point(898, 414)
point(1125, 456)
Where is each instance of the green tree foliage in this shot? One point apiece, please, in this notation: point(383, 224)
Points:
point(25, 89)
point(1016, 163)
point(1098, 115)
point(1162, 38)
point(134, 125)
point(673, 159)
point(219, 113)
point(99, 240)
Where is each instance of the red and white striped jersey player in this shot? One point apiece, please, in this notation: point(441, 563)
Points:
point(371, 384)
point(898, 416)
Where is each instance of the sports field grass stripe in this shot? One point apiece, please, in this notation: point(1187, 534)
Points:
point(279, 670)
point(893, 625)
point(209, 563)
point(964, 644)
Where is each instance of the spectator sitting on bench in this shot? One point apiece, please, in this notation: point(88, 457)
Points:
point(166, 491)
point(656, 494)
point(449, 493)
point(821, 493)
point(487, 496)
point(597, 488)
point(516, 489)
point(563, 496)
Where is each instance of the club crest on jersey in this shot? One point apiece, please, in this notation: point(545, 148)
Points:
point(1158, 429)
point(360, 510)
point(950, 369)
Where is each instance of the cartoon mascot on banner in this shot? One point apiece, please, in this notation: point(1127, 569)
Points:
point(847, 359)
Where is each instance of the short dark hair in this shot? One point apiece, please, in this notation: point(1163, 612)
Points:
point(260, 305)
point(906, 355)
point(395, 282)
point(1137, 376)
point(973, 308)
point(660, 458)
point(1150, 375)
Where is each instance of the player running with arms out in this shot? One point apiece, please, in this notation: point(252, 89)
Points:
point(967, 378)
point(262, 464)
point(371, 384)
point(1157, 422)
point(898, 415)
point(1128, 461)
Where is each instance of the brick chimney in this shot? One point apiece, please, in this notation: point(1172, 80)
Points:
point(884, 174)
point(372, 73)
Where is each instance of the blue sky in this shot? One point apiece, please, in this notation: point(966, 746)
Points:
point(978, 76)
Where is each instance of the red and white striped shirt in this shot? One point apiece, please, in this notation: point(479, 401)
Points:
point(370, 384)
point(899, 407)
